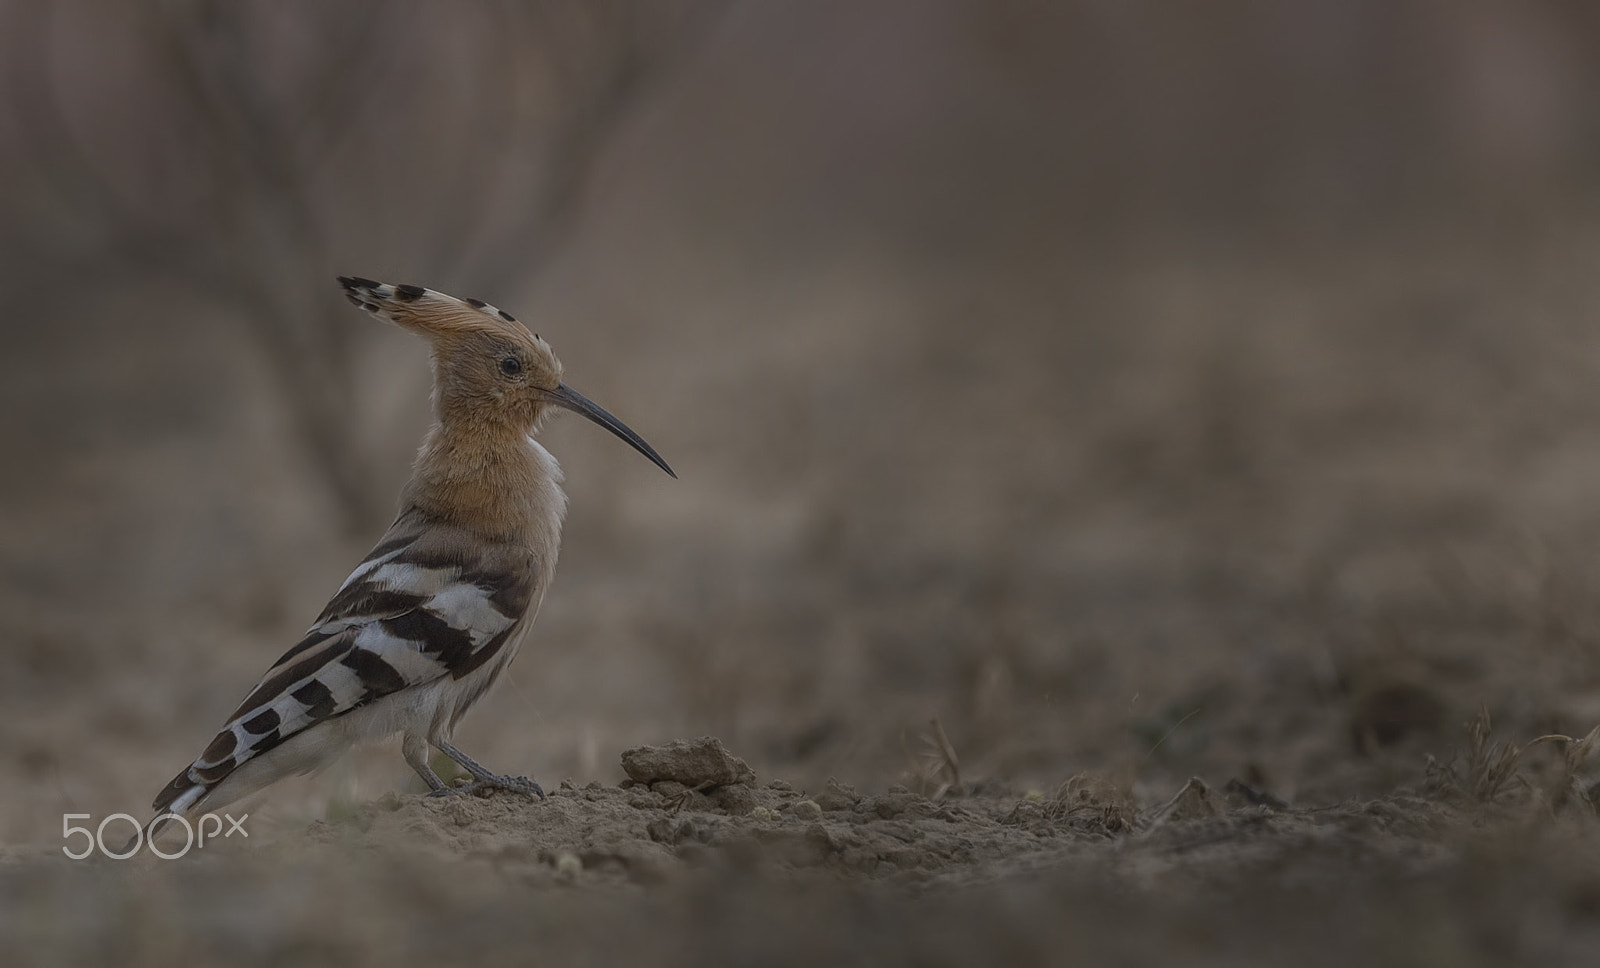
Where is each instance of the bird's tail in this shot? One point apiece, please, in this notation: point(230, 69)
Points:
point(167, 809)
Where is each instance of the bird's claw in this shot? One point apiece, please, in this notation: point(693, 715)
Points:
point(484, 785)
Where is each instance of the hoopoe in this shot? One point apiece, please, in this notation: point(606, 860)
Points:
point(426, 623)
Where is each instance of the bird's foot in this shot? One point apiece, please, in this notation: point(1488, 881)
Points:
point(482, 780)
point(484, 785)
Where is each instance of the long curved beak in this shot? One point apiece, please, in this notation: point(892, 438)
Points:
point(571, 399)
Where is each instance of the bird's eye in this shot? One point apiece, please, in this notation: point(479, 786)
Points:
point(511, 366)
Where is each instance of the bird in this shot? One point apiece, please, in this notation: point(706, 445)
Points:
point(429, 619)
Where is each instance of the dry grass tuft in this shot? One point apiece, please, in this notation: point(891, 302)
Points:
point(1093, 801)
point(935, 770)
point(1499, 773)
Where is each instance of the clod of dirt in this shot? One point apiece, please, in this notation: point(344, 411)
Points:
point(697, 764)
point(1193, 802)
point(837, 796)
point(898, 801)
point(1241, 794)
point(737, 799)
point(568, 865)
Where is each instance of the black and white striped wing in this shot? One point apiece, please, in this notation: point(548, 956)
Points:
point(425, 603)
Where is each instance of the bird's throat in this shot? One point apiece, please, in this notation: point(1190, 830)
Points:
point(498, 484)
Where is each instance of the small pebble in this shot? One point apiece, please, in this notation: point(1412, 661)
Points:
point(808, 810)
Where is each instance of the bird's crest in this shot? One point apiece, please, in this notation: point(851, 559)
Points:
point(489, 370)
point(428, 312)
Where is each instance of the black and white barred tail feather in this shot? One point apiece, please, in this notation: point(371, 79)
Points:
point(429, 603)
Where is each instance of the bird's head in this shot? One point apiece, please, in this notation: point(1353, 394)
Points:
point(489, 371)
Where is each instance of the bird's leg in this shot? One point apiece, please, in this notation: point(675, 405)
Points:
point(482, 779)
point(415, 749)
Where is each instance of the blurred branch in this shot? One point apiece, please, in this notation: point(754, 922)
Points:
point(261, 130)
point(598, 60)
point(59, 158)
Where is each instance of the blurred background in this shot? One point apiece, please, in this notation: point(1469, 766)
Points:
point(1137, 388)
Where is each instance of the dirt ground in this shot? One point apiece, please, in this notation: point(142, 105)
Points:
point(1099, 550)
point(1479, 866)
